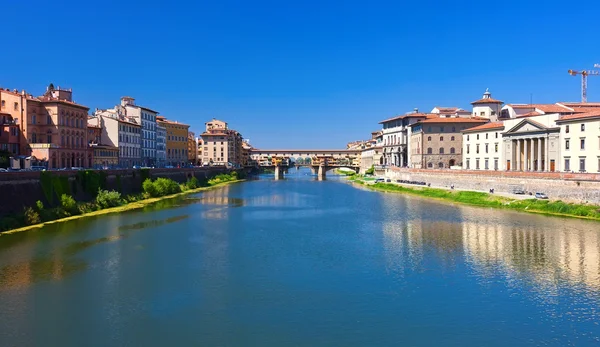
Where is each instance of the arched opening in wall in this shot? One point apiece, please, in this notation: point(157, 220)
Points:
point(440, 165)
point(381, 161)
point(430, 165)
point(452, 162)
point(72, 159)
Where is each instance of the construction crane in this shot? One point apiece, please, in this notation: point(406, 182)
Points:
point(584, 74)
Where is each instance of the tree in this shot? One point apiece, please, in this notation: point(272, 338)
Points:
point(5, 159)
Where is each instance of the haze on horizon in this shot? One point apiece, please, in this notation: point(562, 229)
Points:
point(300, 75)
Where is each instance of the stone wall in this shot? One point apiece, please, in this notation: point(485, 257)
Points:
point(569, 187)
point(22, 189)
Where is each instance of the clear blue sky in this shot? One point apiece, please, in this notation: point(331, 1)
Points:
point(300, 74)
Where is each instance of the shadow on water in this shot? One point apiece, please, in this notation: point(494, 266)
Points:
point(62, 262)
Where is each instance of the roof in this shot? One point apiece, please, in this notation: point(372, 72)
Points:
point(489, 100)
point(580, 104)
point(410, 115)
point(546, 108)
point(147, 109)
point(529, 114)
point(487, 126)
point(447, 109)
point(580, 116)
point(452, 120)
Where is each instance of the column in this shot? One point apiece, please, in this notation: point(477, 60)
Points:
point(525, 155)
point(539, 154)
point(401, 159)
point(518, 159)
point(547, 156)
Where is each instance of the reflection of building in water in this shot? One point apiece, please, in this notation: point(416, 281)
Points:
point(540, 251)
point(215, 213)
point(289, 199)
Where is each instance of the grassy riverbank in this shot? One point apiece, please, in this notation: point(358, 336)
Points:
point(154, 191)
point(556, 208)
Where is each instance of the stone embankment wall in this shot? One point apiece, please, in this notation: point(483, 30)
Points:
point(568, 187)
point(22, 189)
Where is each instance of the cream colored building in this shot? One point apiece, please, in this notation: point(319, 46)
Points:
point(222, 146)
point(580, 142)
point(483, 148)
point(487, 107)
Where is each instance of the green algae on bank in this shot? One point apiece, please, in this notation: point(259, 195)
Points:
point(553, 208)
point(127, 207)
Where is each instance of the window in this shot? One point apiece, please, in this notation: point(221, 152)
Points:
point(486, 147)
point(467, 137)
point(567, 129)
point(428, 138)
point(49, 120)
point(496, 135)
point(452, 138)
point(495, 164)
point(429, 150)
point(441, 165)
point(567, 164)
point(476, 164)
point(33, 119)
point(34, 138)
point(3, 103)
point(16, 106)
point(496, 148)
point(441, 150)
point(582, 127)
point(452, 150)
point(477, 136)
point(441, 129)
point(581, 164)
point(487, 165)
point(468, 164)
point(468, 151)
point(477, 149)
point(567, 144)
point(430, 165)
point(582, 144)
point(486, 136)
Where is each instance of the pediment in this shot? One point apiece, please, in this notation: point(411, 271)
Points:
point(527, 126)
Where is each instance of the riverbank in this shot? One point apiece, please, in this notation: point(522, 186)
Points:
point(127, 207)
point(553, 208)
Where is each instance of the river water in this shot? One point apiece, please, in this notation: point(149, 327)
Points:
point(299, 262)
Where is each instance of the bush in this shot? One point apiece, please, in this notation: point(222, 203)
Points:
point(106, 199)
point(32, 216)
point(370, 171)
point(68, 204)
point(39, 205)
point(192, 183)
point(87, 207)
point(149, 188)
point(160, 187)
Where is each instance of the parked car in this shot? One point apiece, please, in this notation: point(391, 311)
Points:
point(541, 196)
point(3, 170)
point(38, 168)
point(518, 191)
point(388, 180)
point(379, 180)
point(169, 167)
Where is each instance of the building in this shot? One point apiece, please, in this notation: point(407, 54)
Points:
point(122, 132)
point(396, 134)
point(177, 141)
point(487, 107)
point(580, 142)
point(437, 142)
point(222, 146)
point(192, 148)
point(147, 118)
point(483, 147)
point(200, 145)
point(161, 145)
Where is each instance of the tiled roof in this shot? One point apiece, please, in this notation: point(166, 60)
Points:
point(580, 104)
point(447, 109)
point(576, 116)
point(546, 108)
point(529, 114)
point(410, 115)
point(487, 101)
point(487, 126)
point(452, 120)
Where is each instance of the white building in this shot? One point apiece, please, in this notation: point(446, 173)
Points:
point(120, 131)
point(161, 145)
point(487, 107)
point(580, 142)
point(482, 147)
point(147, 118)
point(396, 135)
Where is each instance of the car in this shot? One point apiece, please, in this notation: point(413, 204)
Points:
point(379, 180)
point(169, 167)
point(38, 168)
point(3, 170)
point(518, 191)
point(388, 180)
point(541, 196)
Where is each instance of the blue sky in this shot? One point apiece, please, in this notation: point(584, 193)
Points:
point(300, 74)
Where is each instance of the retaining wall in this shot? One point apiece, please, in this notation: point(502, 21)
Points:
point(22, 189)
point(569, 187)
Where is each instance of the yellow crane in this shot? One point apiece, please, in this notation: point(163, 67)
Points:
point(584, 74)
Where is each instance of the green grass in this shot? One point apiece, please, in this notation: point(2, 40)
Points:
point(490, 200)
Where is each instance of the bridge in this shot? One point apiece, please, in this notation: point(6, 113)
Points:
point(319, 160)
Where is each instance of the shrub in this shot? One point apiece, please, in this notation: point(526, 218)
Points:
point(370, 171)
point(39, 205)
point(106, 199)
point(149, 188)
point(68, 204)
point(192, 183)
point(31, 216)
point(87, 207)
point(165, 186)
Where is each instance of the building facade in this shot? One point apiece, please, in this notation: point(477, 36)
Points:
point(161, 145)
point(396, 134)
point(222, 146)
point(436, 143)
point(192, 148)
point(177, 141)
point(580, 142)
point(147, 119)
point(483, 148)
point(487, 107)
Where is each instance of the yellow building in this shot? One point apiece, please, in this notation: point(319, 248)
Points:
point(105, 157)
point(177, 141)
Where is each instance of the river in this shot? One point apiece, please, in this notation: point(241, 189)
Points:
point(300, 262)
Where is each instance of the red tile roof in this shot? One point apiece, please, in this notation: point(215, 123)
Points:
point(576, 116)
point(529, 114)
point(452, 120)
point(487, 126)
point(580, 104)
point(546, 108)
point(487, 101)
point(410, 115)
point(447, 109)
